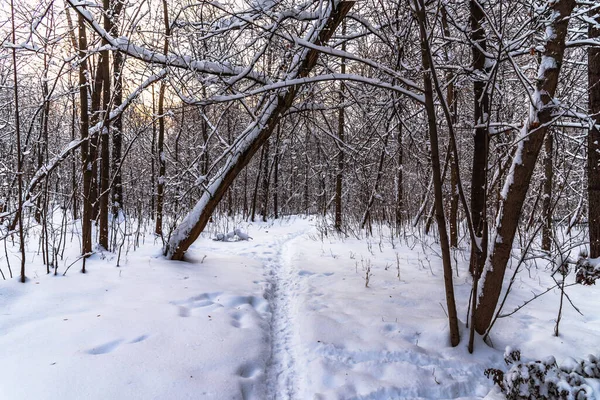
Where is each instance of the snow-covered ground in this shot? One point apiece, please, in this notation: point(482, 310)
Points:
point(285, 315)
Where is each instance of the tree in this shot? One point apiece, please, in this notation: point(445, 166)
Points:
point(18, 139)
point(529, 143)
point(254, 136)
point(593, 141)
point(428, 71)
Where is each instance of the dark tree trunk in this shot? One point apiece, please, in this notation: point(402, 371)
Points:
point(117, 131)
point(593, 162)
point(153, 158)
point(276, 173)
point(481, 144)
point(104, 136)
point(436, 173)
point(266, 177)
point(306, 201)
point(375, 192)
point(453, 104)
point(256, 185)
point(18, 139)
point(547, 196)
point(160, 187)
point(340, 158)
point(86, 161)
point(400, 211)
point(74, 161)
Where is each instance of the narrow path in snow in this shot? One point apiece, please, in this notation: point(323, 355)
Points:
point(282, 383)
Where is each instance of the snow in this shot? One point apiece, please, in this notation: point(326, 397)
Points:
point(283, 316)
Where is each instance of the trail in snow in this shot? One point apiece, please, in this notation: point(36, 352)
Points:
point(282, 377)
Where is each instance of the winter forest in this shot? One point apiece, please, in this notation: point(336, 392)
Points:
point(280, 199)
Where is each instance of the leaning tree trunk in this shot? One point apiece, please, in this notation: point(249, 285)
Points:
point(593, 161)
point(517, 182)
point(255, 136)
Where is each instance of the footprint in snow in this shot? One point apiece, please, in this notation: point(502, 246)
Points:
point(112, 345)
point(139, 339)
point(105, 348)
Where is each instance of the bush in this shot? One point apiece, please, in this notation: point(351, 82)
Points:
point(587, 270)
point(544, 379)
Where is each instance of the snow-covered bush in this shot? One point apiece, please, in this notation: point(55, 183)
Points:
point(587, 270)
point(545, 379)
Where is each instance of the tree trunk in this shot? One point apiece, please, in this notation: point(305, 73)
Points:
point(104, 136)
point(481, 143)
point(593, 161)
point(375, 192)
point(95, 117)
point(86, 161)
point(340, 158)
point(265, 183)
point(436, 172)
point(453, 104)
point(117, 131)
point(518, 179)
point(18, 139)
point(75, 205)
point(256, 134)
point(255, 195)
point(547, 197)
point(160, 187)
point(276, 173)
point(400, 211)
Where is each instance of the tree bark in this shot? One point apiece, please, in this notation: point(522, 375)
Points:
point(547, 193)
point(117, 131)
point(593, 161)
point(256, 135)
point(481, 142)
point(18, 138)
point(160, 143)
point(104, 136)
point(256, 185)
point(518, 179)
point(265, 182)
point(276, 173)
point(453, 104)
point(340, 158)
point(84, 122)
point(400, 207)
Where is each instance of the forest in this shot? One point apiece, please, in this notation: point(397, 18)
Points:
point(447, 151)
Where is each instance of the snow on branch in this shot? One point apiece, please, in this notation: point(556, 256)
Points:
point(124, 45)
point(313, 79)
